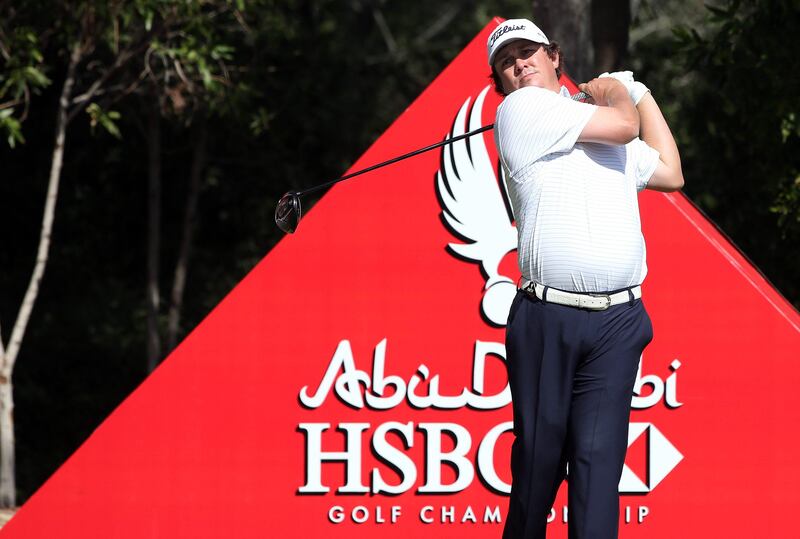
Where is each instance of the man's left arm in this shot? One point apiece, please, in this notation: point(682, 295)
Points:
point(654, 131)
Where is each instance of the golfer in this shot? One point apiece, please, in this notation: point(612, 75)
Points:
point(577, 327)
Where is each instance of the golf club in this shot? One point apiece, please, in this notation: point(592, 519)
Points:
point(289, 210)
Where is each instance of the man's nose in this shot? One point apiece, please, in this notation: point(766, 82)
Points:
point(519, 64)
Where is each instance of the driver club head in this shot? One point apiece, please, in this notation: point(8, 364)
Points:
point(288, 212)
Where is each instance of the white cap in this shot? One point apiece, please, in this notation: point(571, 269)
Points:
point(511, 30)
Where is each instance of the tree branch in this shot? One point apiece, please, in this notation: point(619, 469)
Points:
point(32, 292)
point(96, 86)
point(153, 235)
point(238, 15)
point(27, 102)
point(118, 95)
point(391, 44)
point(2, 348)
point(93, 90)
point(182, 75)
point(3, 48)
point(439, 25)
point(189, 225)
point(10, 104)
point(656, 26)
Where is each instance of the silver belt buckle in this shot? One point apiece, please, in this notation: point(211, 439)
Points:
point(602, 307)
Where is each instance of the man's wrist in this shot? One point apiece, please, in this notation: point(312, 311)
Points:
point(618, 95)
point(636, 90)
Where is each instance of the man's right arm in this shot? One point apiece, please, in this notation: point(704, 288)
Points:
point(616, 121)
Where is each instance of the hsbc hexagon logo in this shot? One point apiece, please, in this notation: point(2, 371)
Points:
point(660, 458)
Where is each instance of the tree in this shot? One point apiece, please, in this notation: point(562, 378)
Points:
point(740, 135)
point(106, 46)
point(577, 23)
point(23, 75)
point(189, 77)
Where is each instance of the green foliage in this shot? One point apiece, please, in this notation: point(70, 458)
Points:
point(11, 126)
point(22, 69)
point(22, 74)
point(740, 139)
point(106, 119)
point(185, 55)
point(191, 58)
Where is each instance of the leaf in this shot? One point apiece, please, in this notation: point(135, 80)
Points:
point(36, 77)
point(717, 14)
point(222, 52)
point(205, 73)
point(106, 120)
point(110, 126)
point(13, 128)
point(789, 127)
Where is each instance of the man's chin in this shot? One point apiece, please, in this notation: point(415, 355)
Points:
point(537, 82)
point(531, 81)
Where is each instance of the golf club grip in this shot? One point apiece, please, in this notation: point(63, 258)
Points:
point(576, 97)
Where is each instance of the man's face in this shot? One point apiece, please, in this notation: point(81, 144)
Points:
point(524, 63)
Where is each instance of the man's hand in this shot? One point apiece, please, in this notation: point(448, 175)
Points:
point(636, 90)
point(604, 90)
point(615, 121)
point(654, 130)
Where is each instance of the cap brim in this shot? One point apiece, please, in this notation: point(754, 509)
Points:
point(502, 44)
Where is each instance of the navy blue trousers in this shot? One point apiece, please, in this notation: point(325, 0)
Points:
point(571, 373)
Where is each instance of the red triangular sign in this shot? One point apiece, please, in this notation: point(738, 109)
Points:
point(353, 383)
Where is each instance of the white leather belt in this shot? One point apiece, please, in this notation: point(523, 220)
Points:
point(594, 302)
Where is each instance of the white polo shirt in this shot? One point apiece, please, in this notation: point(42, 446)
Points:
point(575, 203)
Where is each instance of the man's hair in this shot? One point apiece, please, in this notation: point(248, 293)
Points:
point(552, 50)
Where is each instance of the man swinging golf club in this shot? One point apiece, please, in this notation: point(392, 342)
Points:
point(577, 326)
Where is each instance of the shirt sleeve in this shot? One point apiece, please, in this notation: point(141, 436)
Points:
point(643, 160)
point(533, 122)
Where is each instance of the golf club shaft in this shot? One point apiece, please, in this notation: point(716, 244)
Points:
point(577, 97)
point(395, 159)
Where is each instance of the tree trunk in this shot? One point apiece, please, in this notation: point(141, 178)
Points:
point(569, 23)
point(611, 20)
point(153, 237)
point(9, 354)
point(8, 484)
point(189, 222)
point(593, 34)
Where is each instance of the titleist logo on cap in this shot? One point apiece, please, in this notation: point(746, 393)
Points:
point(504, 30)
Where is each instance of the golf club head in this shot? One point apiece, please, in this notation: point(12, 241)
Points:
point(288, 212)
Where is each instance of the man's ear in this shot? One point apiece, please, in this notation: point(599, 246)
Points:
point(557, 60)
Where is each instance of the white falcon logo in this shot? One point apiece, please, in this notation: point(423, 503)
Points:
point(474, 208)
